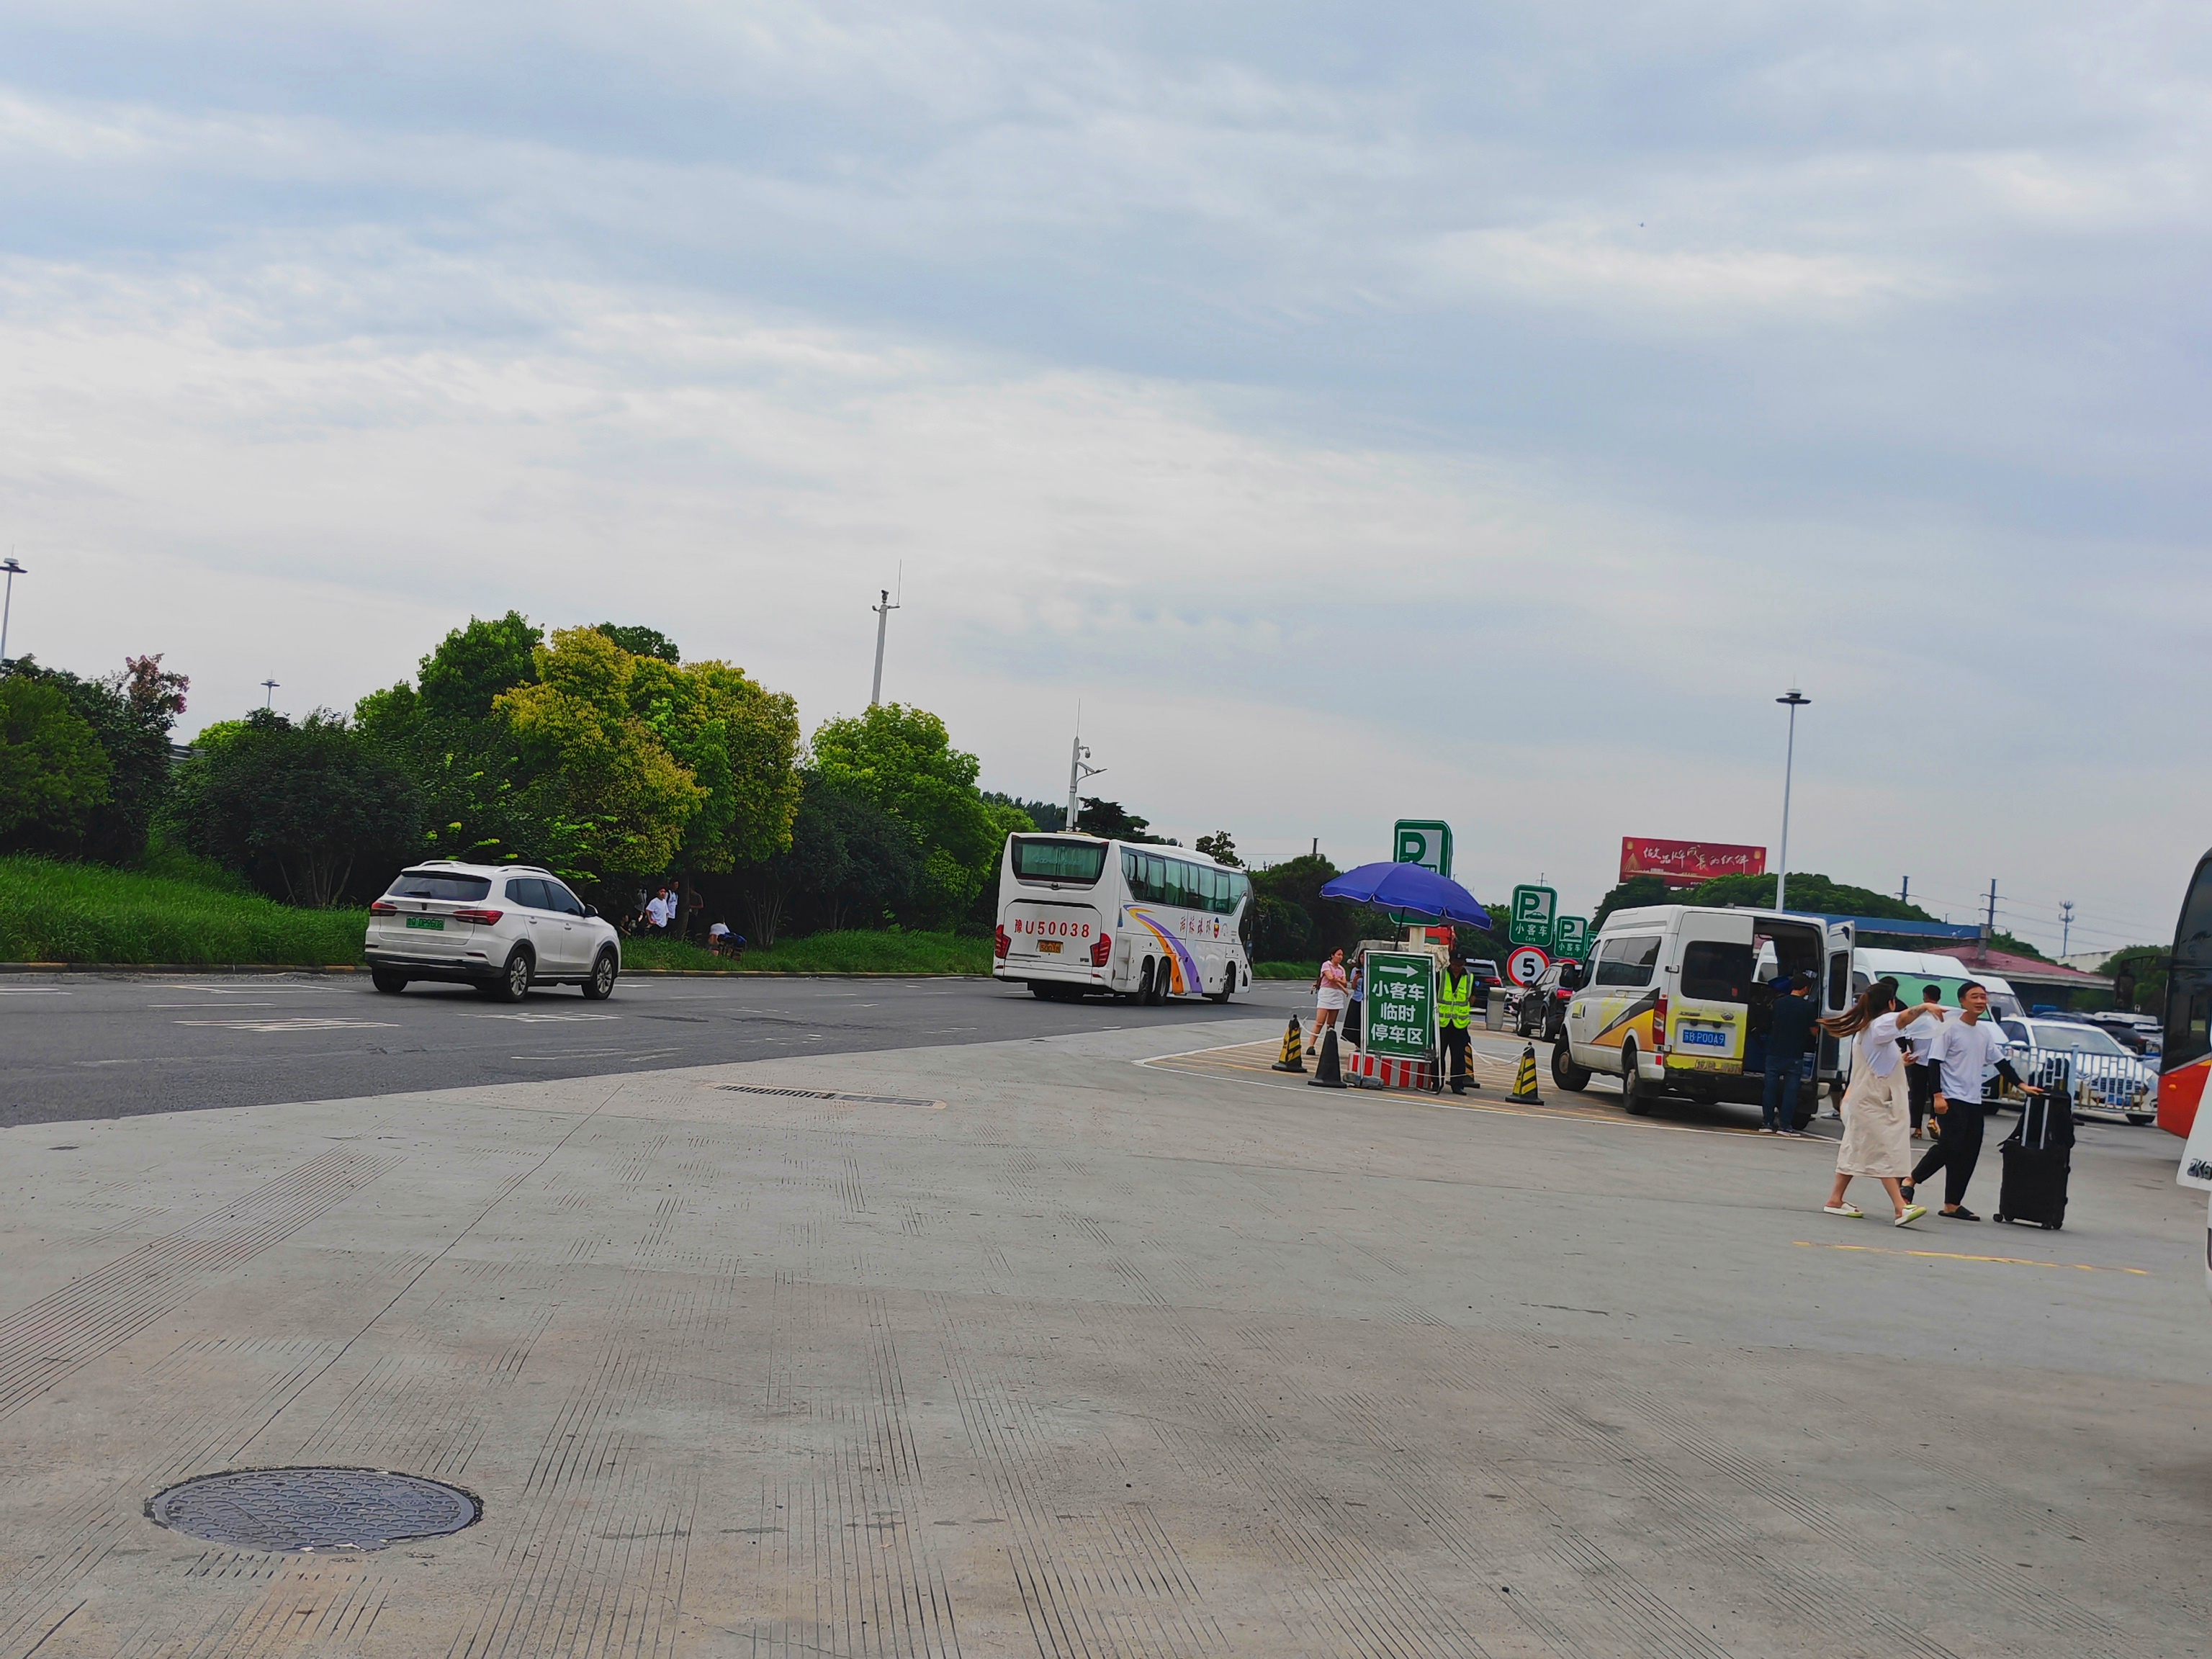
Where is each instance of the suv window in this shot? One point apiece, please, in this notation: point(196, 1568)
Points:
point(1627, 961)
point(1715, 971)
point(528, 890)
point(558, 897)
point(438, 884)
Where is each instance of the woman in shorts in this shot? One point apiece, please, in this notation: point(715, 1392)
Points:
point(1331, 989)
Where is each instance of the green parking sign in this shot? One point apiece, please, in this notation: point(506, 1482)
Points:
point(1425, 841)
point(1571, 937)
point(1533, 910)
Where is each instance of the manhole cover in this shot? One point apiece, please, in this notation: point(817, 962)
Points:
point(313, 1509)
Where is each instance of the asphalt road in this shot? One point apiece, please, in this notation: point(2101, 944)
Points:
point(77, 1046)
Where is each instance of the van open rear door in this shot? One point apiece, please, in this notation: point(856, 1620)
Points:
point(1836, 989)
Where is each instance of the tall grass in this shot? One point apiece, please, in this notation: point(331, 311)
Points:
point(178, 911)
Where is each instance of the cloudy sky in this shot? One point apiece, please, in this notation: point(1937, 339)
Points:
point(1361, 410)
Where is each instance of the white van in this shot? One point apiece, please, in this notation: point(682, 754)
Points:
point(1674, 1001)
point(1914, 969)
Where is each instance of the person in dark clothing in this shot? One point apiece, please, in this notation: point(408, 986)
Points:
point(1967, 1047)
point(1789, 1032)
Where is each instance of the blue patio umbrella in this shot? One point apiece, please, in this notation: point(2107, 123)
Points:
point(1410, 891)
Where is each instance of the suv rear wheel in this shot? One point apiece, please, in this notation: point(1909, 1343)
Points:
point(514, 981)
point(387, 981)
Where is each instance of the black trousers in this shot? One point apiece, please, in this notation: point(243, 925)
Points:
point(1956, 1152)
point(1920, 1085)
point(1455, 1048)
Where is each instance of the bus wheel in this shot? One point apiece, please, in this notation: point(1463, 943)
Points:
point(1148, 990)
point(1228, 984)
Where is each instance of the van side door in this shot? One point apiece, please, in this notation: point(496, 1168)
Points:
point(1836, 993)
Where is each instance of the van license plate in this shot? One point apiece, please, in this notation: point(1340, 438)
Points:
point(1049, 946)
point(436, 924)
point(1698, 1039)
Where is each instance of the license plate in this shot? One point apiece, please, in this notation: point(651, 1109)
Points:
point(1048, 946)
point(1698, 1039)
point(435, 923)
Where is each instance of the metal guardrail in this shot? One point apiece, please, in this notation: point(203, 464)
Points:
point(2108, 1083)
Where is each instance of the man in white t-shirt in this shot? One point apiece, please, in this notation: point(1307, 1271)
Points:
point(1921, 1035)
point(1966, 1047)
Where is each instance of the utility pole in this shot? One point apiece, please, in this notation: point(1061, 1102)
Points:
point(269, 695)
point(1905, 891)
point(1992, 923)
point(883, 622)
point(1792, 700)
point(1077, 771)
point(2065, 925)
point(8, 606)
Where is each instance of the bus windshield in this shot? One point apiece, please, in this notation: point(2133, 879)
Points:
point(2188, 1006)
point(1077, 862)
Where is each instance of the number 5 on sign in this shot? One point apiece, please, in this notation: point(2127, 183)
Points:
point(1533, 910)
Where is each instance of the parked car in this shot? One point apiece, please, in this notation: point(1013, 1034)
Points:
point(2138, 1032)
point(1541, 1010)
point(2107, 1080)
point(499, 928)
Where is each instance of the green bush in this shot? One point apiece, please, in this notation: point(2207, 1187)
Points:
point(1304, 970)
point(52, 912)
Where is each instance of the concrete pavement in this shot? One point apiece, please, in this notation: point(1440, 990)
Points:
point(1077, 1355)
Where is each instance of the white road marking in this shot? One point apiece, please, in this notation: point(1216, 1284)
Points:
point(541, 1019)
point(268, 1026)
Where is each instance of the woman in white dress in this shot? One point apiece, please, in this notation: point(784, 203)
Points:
point(1878, 1106)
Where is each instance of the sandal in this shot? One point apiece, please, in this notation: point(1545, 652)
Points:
point(1851, 1210)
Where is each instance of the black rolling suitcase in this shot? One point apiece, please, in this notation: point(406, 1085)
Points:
point(2038, 1157)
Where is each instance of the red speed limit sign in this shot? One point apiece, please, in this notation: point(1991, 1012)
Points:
point(1526, 964)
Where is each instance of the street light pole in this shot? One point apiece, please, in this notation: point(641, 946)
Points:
point(269, 695)
point(1792, 700)
point(7, 606)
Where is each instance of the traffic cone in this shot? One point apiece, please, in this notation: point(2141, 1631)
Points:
point(1326, 1074)
point(1292, 1058)
point(1524, 1075)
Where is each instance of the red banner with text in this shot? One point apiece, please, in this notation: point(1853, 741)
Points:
point(1686, 863)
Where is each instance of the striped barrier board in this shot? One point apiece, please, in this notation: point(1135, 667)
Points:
point(1382, 1072)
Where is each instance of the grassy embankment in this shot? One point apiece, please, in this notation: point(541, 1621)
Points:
point(1285, 970)
point(180, 910)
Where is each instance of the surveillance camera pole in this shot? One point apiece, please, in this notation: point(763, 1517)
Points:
point(269, 695)
point(883, 623)
point(7, 606)
point(1794, 699)
point(1077, 771)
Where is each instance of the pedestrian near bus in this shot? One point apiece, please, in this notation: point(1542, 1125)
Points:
point(1920, 1073)
point(1789, 1030)
point(1455, 1014)
point(1332, 991)
point(1968, 1046)
point(1877, 1106)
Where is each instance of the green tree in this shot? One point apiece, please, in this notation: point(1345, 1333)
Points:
point(472, 665)
point(1331, 924)
point(642, 642)
point(1113, 821)
point(301, 811)
point(1220, 848)
point(627, 798)
point(740, 743)
point(1632, 895)
point(902, 760)
point(130, 713)
point(2140, 972)
point(847, 862)
point(53, 772)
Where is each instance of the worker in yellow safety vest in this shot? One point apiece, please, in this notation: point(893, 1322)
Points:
point(1455, 1014)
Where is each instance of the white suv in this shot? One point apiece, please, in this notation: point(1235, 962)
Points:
point(499, 928)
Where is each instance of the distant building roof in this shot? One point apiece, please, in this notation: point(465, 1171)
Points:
point(2020, 970)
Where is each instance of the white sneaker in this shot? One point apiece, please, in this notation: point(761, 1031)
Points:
point(1851, 1210)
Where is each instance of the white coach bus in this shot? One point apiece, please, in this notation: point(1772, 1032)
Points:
point(1079, 915)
